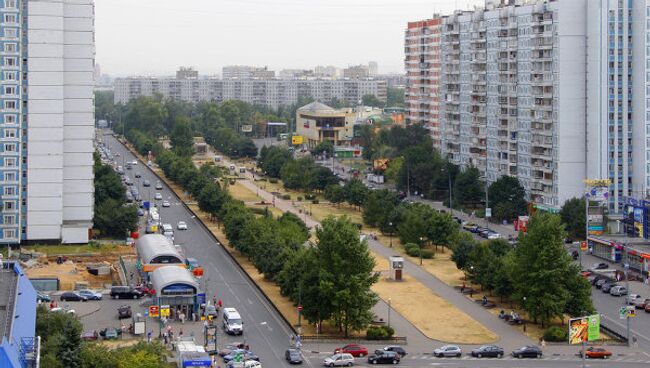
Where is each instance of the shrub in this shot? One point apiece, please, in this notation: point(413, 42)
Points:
point(556, 334)
point(286, 197)
point(299, 199)
point(427, 253)
point(412, 249)
point(358, 225)
point(379, 332)
point(315, 201)
point(273, 180)
point(259, 210)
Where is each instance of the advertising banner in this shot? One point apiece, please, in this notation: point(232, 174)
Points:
point(246, 128)
point(154, 311)
point(584, 329)
point(380, 164)
point(296, 140)
point(164, 311)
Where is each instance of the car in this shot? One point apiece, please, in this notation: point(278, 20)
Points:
point(355, 350)
point(631, 298)
point(483, 232)
point(90, 335)
point(211, 310)
point(138, 175)
point(599, 266)
point(71, 296)
point(146, 183)
point(124, 292)
point(470, 227)
point(166, 204)
point(159, 186)
point(293, 356)
point(596, 352)
point(448, 351)
point(339, 360)
point(124, 311)
point(607, 287)
point(647, 308)
point(600, 282)
point(641, 303)
point(618, 290)
point(246, 354)
point(110, 333)
point(397, 349)
point(493, 235)
point(182, 225)
point(384, 357)
point(528, 351)
point(489, 351)
point(134, 162)
point(63, 310)
point(230, 348)
point(90, 294)
point(140, 212)
point(244, 364)
point(157, 196)
point(144, 290)
point(42, 297)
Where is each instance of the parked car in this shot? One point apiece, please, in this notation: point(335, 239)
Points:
point(244, 364)
point(246, 354)
point(600, 266)
point(490, 351)
point(641, 303)
point(631, 298)
point(470, 227)
point(618, 291)
point(145, 290)
point(355, 349)
point(211, 310)
point(125, 292)
point(384, 357)
point(90, 294)
point(182, 225)
point(596, 352)
point(71, 296)
point(110, 333)
point(230, 348)
point(140, 212)
point(42, 297)
point(493, 235)
point(647, 308)
point(159, 186)
point(607, 287)
point(600, 282)
point(448, 351)
point(482, 232)
point(293, 356)
point(124, 311)
point(339, 360)
point(528, 351)
point(89, 335)
point(157, 196)
point(166, 204)
point(146, 183)
point(397, 349)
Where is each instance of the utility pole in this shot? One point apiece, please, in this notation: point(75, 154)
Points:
point(487, 204)
point(451, 204)
point(626, 267)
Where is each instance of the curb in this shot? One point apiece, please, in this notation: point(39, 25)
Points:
point(213, 236)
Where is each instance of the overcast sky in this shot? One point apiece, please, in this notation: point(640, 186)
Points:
point(151, 37)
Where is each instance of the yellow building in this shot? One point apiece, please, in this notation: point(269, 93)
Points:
point(317, 122)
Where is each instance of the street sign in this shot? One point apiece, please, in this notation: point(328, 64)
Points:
point(631, 311)
point(296, 140)
point(164, 311)
point(583, 246)
point(488, 212)
point(622, 312)
point(300, 307)
point(154, 311)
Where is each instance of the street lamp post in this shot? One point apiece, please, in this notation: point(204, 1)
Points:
point(389, 308)
point(420, 244)
point(524, 319)
point(390, 225)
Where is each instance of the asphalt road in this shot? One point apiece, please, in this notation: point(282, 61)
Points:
point(264, 330)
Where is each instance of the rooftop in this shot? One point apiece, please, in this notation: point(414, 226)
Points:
point(8, 285)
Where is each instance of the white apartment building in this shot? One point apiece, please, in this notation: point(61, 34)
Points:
point(513, 97)
point(265, 92)
point(47, 120)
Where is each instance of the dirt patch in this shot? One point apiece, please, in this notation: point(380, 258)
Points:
point(431, 314)
point(68, 274)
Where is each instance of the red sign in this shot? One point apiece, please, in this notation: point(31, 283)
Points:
point(583, 245)
point(300, 307)
point(154, 311)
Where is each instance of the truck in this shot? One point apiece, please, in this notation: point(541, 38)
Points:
point(374, 178)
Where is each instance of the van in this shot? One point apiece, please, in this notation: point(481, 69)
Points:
point(124, 292)
point(232, 322)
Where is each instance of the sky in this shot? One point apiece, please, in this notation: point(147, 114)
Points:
point(155, 37)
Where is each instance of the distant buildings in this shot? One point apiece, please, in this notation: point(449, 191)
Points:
point(186, 73)
point(47, 120)
point(246, 72)
point(269, 92)
point(357, 71)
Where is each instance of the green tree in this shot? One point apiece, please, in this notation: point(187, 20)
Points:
point(296, 174)
point(324, 148)
point(69, 353)
point(355, 192)
point(414, 224)
point(272, 159)
point(335, 194)
point(468, 187)
point(462, 247)
point(108, 184)
point(320, 178)
point(441, 229)
point(371, 100)
point(573, 217)
point(483, 263)
point(113, 218)
point(395, 97)
point(97, 356)
point(212, 198)
point(579, 301)
point(378, 206)
point(508, 198)
point(182, 137)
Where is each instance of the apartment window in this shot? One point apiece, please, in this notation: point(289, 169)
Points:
point(10, 47)
point(10, 18)
point(10, 4)
point(10, 119)
point(9, 205)
point(10, 133)
point(9, 219)
point(10, 176)
point(10, 105)
point(10, 90)
point(11, 32)
point(10, 162)
point(10, 76)
point(10, 147)
point(11, 61)
point(10, 234)
point(10, 191)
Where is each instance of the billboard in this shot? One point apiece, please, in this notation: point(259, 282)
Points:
point(584, 329)
point(246, 128)
point(296, 140)
point(380, 164)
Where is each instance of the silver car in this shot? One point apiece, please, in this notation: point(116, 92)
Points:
point(339, 360)
point(448, 351)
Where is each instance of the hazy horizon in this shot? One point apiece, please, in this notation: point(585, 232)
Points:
point(155, 37)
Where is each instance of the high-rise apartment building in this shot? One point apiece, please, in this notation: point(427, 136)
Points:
point(264, 92)
point(246, 72)
point(422, 63)
point(47, 120)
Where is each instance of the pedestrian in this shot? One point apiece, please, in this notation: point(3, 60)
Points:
point(219, 303)
point(543, 343)
point(165, 338)
point(635, 343)
point(181, 316)
point(462, 288)
point(291, 340)
point(180, 334)
point(149, 336)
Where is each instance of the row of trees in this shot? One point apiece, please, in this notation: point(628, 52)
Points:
point(61, 346)
point(277, 248)
point(538, 273)
point(301, 174)
point(113, 216)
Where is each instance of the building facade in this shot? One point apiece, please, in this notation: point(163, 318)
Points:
point(264, 92)
point(47, 120)
point(246, 72)
point(422, 64)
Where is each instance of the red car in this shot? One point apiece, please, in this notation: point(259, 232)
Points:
point(596, 352)
point(355, 350)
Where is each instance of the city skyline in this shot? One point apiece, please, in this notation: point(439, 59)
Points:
point(332, 32)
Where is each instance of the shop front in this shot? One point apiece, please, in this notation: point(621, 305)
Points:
point(638, 261)
point(176, 291)
point(605, 249)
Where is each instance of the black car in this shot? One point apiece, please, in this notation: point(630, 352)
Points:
point(124, 311)
point(137, 175)
point(125, 292)
point(396, 349)
point(383, 356)
point(600, 266)
point(71, 296)
point(293, 356)
point(489, 351)
point(608, 286)
point(599, 284)
point(528, 351)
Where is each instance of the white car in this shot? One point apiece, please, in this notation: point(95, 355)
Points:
point(157, 196)
point(493, 235)
point(182, 225)
point(632, 298)
point(339, 360)
point(134, 162)
point(448, 351)
point(166, 204)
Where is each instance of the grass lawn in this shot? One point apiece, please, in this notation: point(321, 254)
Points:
point(323, 210)
point(238, 191)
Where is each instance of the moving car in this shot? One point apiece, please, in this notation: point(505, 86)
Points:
point(339, 360)
point(159, 186)
point(42, 297)
point(124, 311)
point(355, 350)
point(157, 196)
point(528, 351)
point(448, 351)
point(596, 352)
point(146, 183)
point(166, 204)
point(232, 322)
point(71, 296)
point(140, 212)
point(182, 225)
point(384, 357)
point(90, 294)
point(490, 351)
point(397, 349)
point(293, 356)
point(600, 266)
point(138, 175)
point(641, 303)
point(618, 291)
